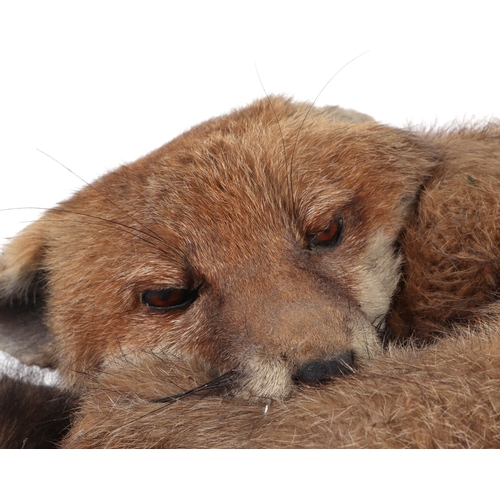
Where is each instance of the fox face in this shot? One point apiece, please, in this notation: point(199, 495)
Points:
point(261, 244)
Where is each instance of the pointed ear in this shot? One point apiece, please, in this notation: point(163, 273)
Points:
point(23, 333)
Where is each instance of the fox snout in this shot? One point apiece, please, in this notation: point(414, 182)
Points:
point(304, 331)
point(277, 378)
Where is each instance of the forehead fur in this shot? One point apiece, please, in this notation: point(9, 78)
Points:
point(273, 155)
point(260, 177)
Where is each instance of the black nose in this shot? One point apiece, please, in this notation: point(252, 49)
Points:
point(322, 370)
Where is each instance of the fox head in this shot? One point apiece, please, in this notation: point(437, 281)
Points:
point(261, 243)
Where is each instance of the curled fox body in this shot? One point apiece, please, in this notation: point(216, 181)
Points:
point(268, 250)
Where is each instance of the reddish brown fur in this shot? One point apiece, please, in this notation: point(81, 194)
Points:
point(229, 209)
point(445, 396)
point(451, 242)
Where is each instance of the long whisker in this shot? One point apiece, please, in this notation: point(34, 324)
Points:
point(314, 102)
point(148, 231)
point(105, 222)
point(225, 380)
point(289, 176)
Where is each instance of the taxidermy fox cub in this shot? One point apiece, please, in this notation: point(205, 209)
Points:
point(263, 251)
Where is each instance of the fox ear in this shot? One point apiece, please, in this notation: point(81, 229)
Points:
point(23, 333)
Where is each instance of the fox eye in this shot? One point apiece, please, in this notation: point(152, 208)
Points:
point(330, 236)
point(169, 299)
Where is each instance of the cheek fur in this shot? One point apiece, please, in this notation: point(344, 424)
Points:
point(377, 277)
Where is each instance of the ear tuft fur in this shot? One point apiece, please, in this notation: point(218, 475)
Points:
point(21, 267)
point(23, 333)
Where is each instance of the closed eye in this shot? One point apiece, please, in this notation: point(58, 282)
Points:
point(169, 299)
point(330, 236)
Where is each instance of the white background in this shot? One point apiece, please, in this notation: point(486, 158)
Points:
point(96, 84)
